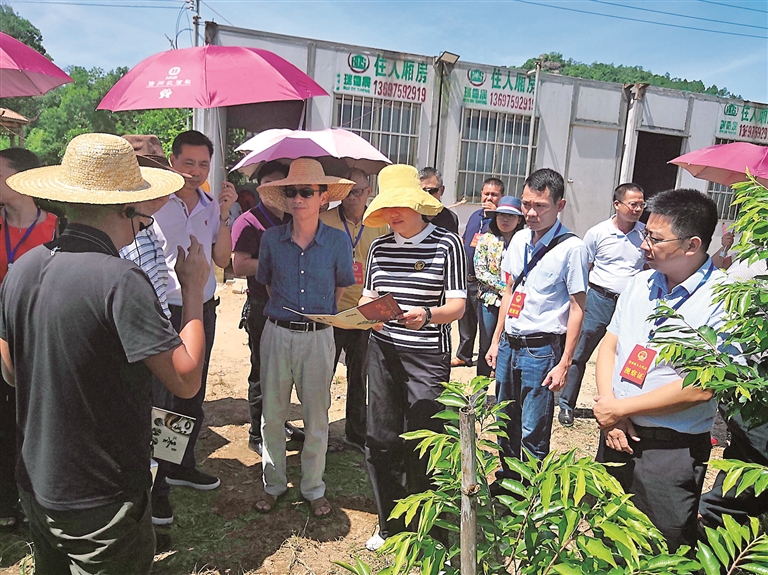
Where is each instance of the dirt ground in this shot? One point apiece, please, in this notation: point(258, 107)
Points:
point(220, 532)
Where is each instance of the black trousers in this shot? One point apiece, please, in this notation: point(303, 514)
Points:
point(468, 325)
point(254, 326)
point(402, 392)
point(665, 474)
point(9, 494)
point(192, 407)
point(354, 342)
point(748, 445)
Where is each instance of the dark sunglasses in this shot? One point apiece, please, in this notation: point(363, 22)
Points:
point(306, 193)
point(431, 190)
point(357, 192)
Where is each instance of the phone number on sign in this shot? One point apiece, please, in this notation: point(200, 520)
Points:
point(400, 91)
point(502, 100)
point(754, 132)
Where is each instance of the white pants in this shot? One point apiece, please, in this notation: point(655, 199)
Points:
point(306, 360)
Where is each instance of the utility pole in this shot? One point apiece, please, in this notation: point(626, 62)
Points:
point(196, 20)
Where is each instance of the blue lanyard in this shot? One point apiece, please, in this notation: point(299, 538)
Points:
point(534, 259)
point(346, 227)
point(270, 218)
point(681, 301)
point(11, 252)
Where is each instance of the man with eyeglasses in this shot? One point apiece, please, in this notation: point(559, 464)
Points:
point(613, 248)
point(348, 217)
point(432, 183)
point(659, 429)
point(305, 266)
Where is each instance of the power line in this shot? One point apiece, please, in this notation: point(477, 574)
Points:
point(677, 15)
point(678, 26)
point(733, 6)
point(97, 5)
point(217, 13)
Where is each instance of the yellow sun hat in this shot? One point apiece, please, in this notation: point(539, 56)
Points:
point(400, 187)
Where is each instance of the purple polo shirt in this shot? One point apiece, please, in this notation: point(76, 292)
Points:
point(246, 237)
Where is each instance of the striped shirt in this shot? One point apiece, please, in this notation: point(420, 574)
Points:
point(147, 253)
point(422, 271)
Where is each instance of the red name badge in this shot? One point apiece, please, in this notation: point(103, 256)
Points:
point(516, 305)
point(357, 268)
point(475, 239)
point(637, 365)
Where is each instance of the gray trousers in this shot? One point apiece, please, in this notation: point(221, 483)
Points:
point(303, 359)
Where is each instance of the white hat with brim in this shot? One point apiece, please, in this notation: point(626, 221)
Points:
point(304, 172)
point(97, 169)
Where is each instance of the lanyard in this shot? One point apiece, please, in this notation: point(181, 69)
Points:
point(11, 252)
point(346, 227)
point(681, 301)
point(267, 214)
point(539, 254)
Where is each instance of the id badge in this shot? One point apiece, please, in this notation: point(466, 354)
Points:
point(637, 365)
point(516, 305)
point(357, 268)
point(475, 239)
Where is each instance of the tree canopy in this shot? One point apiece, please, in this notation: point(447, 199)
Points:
point(555, 63)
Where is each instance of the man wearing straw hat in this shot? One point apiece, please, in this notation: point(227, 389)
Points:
point(82, 365)
point(305, 265)
point(424, 268)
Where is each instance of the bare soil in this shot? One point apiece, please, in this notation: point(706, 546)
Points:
point(220, 532)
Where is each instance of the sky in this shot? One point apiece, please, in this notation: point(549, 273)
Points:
point(720, 42)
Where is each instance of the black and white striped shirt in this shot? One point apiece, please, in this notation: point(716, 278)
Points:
point(422, 271)
point(147, 253)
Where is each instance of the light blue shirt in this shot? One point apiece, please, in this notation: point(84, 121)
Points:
point(548, 287)
point(630, 323)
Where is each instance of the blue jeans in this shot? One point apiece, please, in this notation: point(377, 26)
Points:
point(519, 373)
point(487, 316)
point(597, 316)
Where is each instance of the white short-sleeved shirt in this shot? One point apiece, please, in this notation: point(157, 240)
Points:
point(173, 226)
point(630, 323)
point(616, 256)
point(561, 273)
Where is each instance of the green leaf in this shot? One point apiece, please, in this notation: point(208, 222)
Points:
point(596, 548)
point(547, 487)
point(581, 486)
point(708, 560)
point(453, 400)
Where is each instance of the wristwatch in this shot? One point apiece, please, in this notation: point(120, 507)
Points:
point(429, 317)
point(226, 222)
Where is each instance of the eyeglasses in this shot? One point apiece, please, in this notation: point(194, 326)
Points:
point(357, 192)
point(290, 192)
point(431, 190)
point(634, 205)
point(651, 241)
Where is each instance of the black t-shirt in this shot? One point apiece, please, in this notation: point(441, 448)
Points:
point(446, 219)
point(79, 321)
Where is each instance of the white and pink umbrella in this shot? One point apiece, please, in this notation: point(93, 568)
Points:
point(337, 149)
point(26, 72)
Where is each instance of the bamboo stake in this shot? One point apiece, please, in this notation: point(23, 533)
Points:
point(469, 489)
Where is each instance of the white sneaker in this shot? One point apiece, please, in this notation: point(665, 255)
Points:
point(374, 543)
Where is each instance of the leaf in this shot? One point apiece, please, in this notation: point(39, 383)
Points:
point(708, 560)
point(708, 334)
point(581, 487)
point(547, 487)
point(453, 400)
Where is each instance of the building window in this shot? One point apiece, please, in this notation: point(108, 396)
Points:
point(494, 144)
point(391, 127)
point(723, 195)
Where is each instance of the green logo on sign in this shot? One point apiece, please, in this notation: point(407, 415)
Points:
point(731, 110)
point(358, 63)
point(476, 77)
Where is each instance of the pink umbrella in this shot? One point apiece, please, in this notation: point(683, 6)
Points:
point(209, 77)
point(337, 149)
point(727, 163)
point(25, 72)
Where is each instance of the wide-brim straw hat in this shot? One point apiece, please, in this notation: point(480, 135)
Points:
point(304, 172)
point(149, 151)
point(97, 169)
point(400, 187)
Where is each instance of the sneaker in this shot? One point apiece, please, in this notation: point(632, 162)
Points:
point(565, 417)
point(360, 446)
point(374, 543)
point(162, 513)
point(293, 433)
point(193, 478)
point(256, 444)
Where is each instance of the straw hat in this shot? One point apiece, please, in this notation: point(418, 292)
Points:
point(149, 151)
point(97, 169)
point(400, 187)
point(303, 172)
